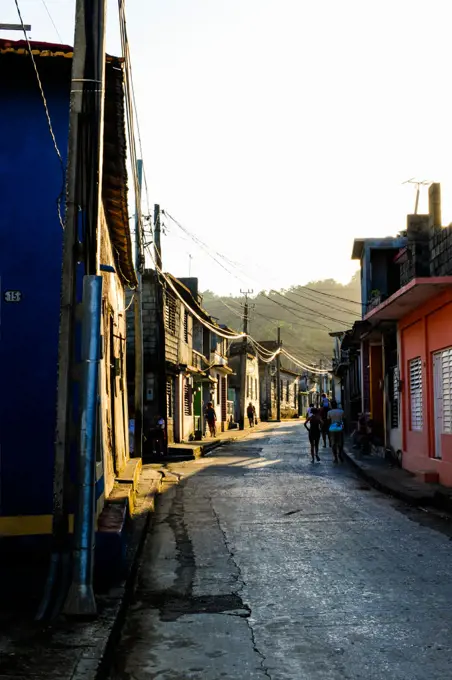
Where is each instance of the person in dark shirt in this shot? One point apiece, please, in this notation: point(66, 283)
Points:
point(250, 414)
point(315, 427)
point(211, 418)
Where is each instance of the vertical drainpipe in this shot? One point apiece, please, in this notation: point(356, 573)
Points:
point(80, 600)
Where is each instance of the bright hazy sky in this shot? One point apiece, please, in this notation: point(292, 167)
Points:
point(279, 130)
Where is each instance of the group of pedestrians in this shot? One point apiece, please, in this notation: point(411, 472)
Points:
point(323, 422)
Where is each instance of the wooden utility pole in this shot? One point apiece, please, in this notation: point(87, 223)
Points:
point(278, 379)
point(161, 354)
point(243, 361)
point(138, 323)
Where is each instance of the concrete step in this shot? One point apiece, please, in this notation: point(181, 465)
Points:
point(131, 473)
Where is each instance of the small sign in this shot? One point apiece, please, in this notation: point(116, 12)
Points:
point(12, 296)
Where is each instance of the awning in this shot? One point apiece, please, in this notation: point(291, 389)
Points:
point(408, 298)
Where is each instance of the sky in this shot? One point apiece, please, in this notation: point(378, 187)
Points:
point(277, 131)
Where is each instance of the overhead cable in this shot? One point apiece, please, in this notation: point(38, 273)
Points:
point(49, 120)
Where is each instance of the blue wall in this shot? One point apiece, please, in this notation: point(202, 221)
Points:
point(30, 261)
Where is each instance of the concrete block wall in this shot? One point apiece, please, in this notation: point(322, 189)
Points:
point(440, 251)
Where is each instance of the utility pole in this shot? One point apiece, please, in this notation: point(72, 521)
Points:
point(89, 46)
point(138, 321)
point(86, 85)
point(161, 354)
point(278, 379)
point(243, 361)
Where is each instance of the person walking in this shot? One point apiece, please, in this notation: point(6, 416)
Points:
point(336, 431)
point(325, 407)
point(314, 429)
point(211, 418)
point(250, 414)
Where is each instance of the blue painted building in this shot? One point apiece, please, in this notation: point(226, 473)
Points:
point(31, 185)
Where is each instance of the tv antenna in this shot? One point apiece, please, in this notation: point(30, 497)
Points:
point(418, 184)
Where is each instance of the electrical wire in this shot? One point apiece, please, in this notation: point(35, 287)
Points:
point(49, 120)
point(337, 297)
point(51, 19)
point(325, 304)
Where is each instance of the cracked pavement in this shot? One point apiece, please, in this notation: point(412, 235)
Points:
point(261, 564)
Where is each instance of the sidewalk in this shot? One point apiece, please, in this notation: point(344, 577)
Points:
point(70, 649)
point(197, 449)
point(397, 482)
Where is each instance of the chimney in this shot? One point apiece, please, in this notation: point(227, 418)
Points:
point(434, 204)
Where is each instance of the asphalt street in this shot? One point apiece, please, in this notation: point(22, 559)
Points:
point(263, 565)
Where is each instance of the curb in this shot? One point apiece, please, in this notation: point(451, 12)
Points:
point(390, 491)
point(95, 663)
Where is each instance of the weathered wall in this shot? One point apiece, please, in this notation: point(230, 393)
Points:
point(113, 379)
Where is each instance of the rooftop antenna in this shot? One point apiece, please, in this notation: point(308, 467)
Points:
point(417, 184)
point(190, 258)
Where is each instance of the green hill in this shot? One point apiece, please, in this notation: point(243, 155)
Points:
point(306, 314)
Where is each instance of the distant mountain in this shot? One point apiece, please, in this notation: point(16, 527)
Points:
point(306, 314)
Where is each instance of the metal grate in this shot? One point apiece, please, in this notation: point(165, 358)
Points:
point(185, 326)
point(169, 399)
point(187, 400)
point(395, 397)
point(415, 371)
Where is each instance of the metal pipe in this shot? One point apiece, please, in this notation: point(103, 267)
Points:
point(80, 600)
point(138, 323)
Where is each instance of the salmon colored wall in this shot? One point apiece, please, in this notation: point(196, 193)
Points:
point(422, 333)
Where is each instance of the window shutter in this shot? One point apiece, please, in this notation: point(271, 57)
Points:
point(169, 399)
point(185, 326)
point(395, 398)
point(446, 361)
point(416, 394)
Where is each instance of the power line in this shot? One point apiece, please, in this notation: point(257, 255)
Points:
point(292, 311)
point(309, 309)
point(325, 304)
point(46, 109)
point(51, 19)
point(337, 297)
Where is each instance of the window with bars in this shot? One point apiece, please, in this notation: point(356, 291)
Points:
point(415, 373)
point(170, 313)
point(255, 388)
point(185, 326)
point(187, 399)
point(287, 390)
point(394, 397)
point(443, 391)
point(169, 398)
point(247, 386)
